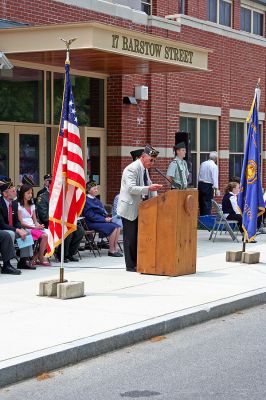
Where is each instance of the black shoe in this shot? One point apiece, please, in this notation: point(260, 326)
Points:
point(131, 270)
point(23, 264)
point(58, 259)
point(9, 269)
point(116, 254)
point(103, 245)
point(72, 258)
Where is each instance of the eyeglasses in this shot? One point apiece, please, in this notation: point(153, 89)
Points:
point(152, 160)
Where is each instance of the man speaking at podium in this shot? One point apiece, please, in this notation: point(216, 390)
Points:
point(136, 187)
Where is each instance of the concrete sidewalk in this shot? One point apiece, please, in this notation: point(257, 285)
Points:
point(120, 308)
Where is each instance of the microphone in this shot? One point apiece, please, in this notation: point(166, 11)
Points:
point(165, 177)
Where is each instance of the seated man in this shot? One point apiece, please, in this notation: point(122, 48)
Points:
point(72, 242)
point(98, 220)
point(8, 252)
point(9, 222)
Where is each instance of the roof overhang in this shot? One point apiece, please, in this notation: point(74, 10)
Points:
point(102, 49)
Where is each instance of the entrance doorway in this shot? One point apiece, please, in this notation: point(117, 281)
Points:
point(22, 152)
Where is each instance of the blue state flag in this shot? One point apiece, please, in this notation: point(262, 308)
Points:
point(250, 198)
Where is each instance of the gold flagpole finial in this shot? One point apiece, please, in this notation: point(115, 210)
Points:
point(68, 43)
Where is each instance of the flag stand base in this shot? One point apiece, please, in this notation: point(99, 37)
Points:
point(250, 257)
point(234, 256)
point(63, 291)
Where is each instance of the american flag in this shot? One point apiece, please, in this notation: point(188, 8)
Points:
point(68, 162)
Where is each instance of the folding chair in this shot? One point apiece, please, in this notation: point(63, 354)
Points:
point(89, 238)
point(222, 224)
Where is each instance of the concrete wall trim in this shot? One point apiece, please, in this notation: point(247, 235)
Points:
point(200, 109)
point(242, 114)
point(124, 151)
point(107, 7)
point(217, 29)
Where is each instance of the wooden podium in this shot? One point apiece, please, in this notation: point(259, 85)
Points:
point(167, 234)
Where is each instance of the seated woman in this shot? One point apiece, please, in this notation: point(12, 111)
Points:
point(97, 219)
point(28, 220)
point(229, 204)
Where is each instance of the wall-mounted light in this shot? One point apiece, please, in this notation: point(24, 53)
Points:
point(4, 62)
point(129, 100)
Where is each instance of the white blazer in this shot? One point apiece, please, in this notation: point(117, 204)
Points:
point(132, 191)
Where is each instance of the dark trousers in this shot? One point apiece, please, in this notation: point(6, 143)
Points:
point(6, 246)
point(130, 239)
point(236, 217)
point(205, 197)
point(72, 242)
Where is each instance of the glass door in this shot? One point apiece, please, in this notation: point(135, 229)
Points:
point(7, 150)
point(30, 154)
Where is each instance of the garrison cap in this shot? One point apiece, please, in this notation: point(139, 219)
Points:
point(181, 145)
point(136, 153)
point(6, 185)
point(47, 177)
point(90, 185)
point(27, 180)
point(150, 151)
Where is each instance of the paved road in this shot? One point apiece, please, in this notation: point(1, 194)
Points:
point(221, 359)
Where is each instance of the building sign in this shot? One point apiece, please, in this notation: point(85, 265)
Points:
point(152, 49)
point(95, 41)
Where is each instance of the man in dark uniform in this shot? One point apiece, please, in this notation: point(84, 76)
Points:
point(46, 184)
point(8, 252)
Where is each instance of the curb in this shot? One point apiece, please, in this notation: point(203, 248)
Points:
point(33, 364)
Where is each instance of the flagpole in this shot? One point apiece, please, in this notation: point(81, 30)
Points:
point(251, 119)
point(61, 278)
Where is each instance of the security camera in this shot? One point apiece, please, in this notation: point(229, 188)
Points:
point(4, 62)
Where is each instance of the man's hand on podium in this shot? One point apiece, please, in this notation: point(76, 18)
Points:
point(154, 187)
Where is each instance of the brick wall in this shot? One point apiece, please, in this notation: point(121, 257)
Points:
point(234, 68)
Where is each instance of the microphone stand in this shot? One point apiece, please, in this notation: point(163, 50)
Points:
point(173, 184)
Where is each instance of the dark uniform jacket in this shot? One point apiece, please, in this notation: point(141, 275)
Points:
point(4, 225)
point(42, 206)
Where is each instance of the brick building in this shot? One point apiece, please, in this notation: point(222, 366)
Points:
point(200, 61)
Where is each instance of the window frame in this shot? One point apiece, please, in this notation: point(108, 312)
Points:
point(147, 3)
point(252, 10)
point(218, 13)
point(197, 151)
point(245, 133)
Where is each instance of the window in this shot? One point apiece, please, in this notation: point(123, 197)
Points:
point(238, 137)
point(182, 7)
point(29, 156)
point(93, 159)
point(146, 6)
point(236, 148)
point(220, 11)
point(203, 139)
point(251, 21)
point(89, 99)
point(4, 152)
point(22, 95)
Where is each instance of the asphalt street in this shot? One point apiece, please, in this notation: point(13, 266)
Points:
point(220, 359)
